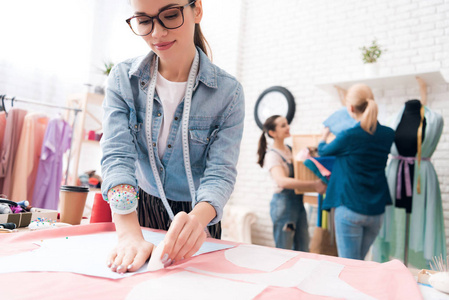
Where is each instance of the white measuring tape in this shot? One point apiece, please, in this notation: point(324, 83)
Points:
point(185, 128)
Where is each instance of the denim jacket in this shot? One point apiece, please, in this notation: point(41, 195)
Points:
point(215, 131)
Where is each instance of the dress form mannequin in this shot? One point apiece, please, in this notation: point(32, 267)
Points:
point(406, 143)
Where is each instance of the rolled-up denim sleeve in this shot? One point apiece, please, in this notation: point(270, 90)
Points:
point(117, 143)
point(220, 173)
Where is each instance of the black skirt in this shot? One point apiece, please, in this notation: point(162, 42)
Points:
point(152, 213)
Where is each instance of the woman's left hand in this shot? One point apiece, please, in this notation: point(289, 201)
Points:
point(184, 237)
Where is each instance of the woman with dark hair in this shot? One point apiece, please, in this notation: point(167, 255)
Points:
point(172, 124)
point(290, 227)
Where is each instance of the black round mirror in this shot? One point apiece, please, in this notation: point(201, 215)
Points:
point(275, 100)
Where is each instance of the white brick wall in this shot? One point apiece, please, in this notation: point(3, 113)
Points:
point(299, 43)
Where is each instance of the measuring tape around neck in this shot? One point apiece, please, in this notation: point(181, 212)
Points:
point(185, 127)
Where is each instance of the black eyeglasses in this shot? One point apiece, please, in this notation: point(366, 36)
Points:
point(170, 18)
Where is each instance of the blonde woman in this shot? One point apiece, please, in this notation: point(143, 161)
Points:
point(358, 188)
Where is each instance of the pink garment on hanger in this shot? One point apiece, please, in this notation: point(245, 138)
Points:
point(2, 127)
point(27, 157)
point(13, 129)
point(49, 173)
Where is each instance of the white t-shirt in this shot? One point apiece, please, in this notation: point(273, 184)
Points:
point(273, 159)
point(171, 94)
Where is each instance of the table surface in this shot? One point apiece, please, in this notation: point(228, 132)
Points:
point(390, 280)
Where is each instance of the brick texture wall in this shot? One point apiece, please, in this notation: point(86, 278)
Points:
point(297, 44)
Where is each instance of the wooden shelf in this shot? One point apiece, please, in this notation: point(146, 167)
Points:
point(386, 82)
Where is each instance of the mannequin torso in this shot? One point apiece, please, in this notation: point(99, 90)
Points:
point(406, 143)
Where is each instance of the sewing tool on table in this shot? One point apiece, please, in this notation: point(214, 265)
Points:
point(8, 227)
point(439, 280)
point(41, 223)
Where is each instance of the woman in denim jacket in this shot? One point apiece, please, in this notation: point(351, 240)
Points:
point(290, 226)
point(172, 125)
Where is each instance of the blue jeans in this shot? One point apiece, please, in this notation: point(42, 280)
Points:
point(290, 227)
point(355, 232)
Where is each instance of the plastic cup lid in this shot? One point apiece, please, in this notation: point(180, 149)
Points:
point(72, 188)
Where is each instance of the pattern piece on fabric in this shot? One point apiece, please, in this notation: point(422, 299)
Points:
point(313, 276)
point(14, 124)
point(27, 157)
point(49, 174)
point(426, 220)
point(83, 254)
point(194, 286)
point(262, 258)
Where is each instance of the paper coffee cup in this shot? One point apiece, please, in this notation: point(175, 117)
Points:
point(72, 200)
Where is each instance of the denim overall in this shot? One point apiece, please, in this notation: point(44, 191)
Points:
point(290, 227)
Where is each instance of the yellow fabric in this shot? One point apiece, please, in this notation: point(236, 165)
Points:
point(324, 218)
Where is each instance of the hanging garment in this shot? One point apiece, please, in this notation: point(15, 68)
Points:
point(27, 157)
point(2, 127)
point(49, 174)
point(11, 138)
point(427, 237)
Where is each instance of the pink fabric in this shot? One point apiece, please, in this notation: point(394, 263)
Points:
point(320, 167)
point(27, 157)
point(13, 129)
point(382, 281)
point(49, 173)
point(2, 127)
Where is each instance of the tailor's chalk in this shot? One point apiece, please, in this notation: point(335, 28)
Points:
point(155, 262)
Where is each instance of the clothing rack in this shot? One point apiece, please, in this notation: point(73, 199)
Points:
point(75, 110)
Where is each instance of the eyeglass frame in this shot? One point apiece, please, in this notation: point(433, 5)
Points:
point(180, 7)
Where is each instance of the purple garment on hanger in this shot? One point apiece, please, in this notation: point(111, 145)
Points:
point(13, 130)
point(49, 173)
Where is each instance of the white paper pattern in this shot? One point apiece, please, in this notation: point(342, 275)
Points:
point(258, 257)
point(84, 254)
point(193, 286)
point(317, 277)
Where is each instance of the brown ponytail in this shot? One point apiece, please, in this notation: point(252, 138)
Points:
point(262, 148)
point(201, 42)
point(361, 98)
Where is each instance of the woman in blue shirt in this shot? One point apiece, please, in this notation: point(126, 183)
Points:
point(172, 126)
point(358, 187)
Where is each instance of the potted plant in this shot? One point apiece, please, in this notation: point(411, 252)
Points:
point(370, 55)
point(105, 70)
point(107, 67)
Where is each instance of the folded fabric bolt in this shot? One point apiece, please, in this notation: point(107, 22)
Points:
point(311, 165)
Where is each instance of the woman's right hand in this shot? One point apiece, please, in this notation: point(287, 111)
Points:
point(130, 254)
point(320, 186)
